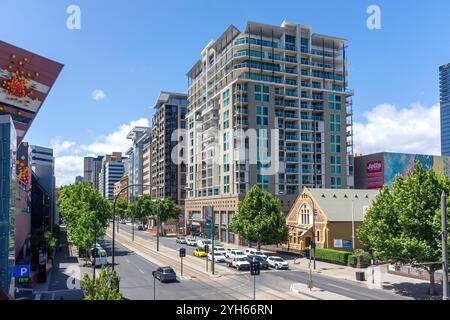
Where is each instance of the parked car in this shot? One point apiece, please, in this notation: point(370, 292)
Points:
point(123, 222)
point(203, 242)
point(218, 257)
point(181, 240)
point(220, 249)
point(240, 263)
point(200, 253)
point(254, 252)
point(140, 228)
point(277, 262)
point(191, 242)
point(165, 274)
point(263, 265)
point(229, 250)
point(237, 253)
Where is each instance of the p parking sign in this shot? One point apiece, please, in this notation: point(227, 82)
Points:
point(22, 271)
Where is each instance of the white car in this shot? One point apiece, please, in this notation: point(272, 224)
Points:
point(191, 242)
point(237, 254)
point(220, 249)
point(277, 262)
point(101, 259)
point(229, 250)
point(218, 256)
point(202, 243)
point(240, 263)
point(254, 252)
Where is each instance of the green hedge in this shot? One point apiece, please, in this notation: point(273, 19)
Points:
point(332, 256)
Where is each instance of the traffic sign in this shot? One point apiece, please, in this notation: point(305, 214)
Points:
point(255, 268)
point(182, 252)
point(22, 271)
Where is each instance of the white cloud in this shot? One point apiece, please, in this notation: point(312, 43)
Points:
point(67, 168)
point(69, 155)
point(98, 94)
point(60, 146)
point(415, 129)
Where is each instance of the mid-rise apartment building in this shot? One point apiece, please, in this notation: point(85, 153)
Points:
point(140, 137)
point(146, 164)
point(444, 85)
point(287, 85)
point(168, 176)
point(92, 168)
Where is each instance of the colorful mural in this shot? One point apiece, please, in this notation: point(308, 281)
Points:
point(400, 163)
point(22, 168)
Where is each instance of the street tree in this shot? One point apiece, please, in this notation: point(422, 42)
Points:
point(165, 210)
point(141, 208)
point(103, 287)
point(85, 214)
point(403, 225)
point(260, 219)
point(122, 208)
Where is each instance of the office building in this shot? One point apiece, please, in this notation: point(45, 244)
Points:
point(147, 164)
point(92, 167)
point(168, 177)
point(286, 80)
point(373, 171)
point(444, 85)
point(79, 179)
point(43, 165)
point(111, 172)
point(139, 136)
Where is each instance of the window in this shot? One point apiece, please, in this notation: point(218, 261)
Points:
point(334, 102)
point(335, 143)
point(226, 143)
point(226, 184)
point(335, 164)
point(262, 116)
point(263, 182)
point(226, 121)
point(261, 93)
point(335, 122)
point(226, 97)
point(336, 182)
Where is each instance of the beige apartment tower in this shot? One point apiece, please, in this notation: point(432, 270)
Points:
point(285, 88)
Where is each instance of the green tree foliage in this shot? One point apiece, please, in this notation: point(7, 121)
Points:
point(122, 208)
point(165, 209)
point(104, 287)
point(403, 224)
point(141, 208)
point(84, 212)
point(260, 219)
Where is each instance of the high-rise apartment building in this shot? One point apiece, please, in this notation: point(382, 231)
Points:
point(286, 80)
point(140, 137)
point(146, 164)
point(92, 167)
point(168, 177)
point(444, 85)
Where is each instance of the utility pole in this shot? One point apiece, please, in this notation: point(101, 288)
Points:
point(95, 245)
point(445, 294)
point(213, 236)
point(157, 229)
point(132, 220)
point(353, 225)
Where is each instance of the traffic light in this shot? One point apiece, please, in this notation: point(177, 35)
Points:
point(206, 248)
point(95, 252)
point(182, 252)
point(254, 268)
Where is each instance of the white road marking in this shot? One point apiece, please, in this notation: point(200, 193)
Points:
point(126, 259)
point(141, 271)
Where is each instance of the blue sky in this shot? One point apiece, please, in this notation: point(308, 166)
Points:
point(133, 49)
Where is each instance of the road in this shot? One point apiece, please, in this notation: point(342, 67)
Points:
point(278, 280)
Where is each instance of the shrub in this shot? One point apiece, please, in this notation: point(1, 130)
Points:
point(366, 256)
point(332, 256)
point(352, 261)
